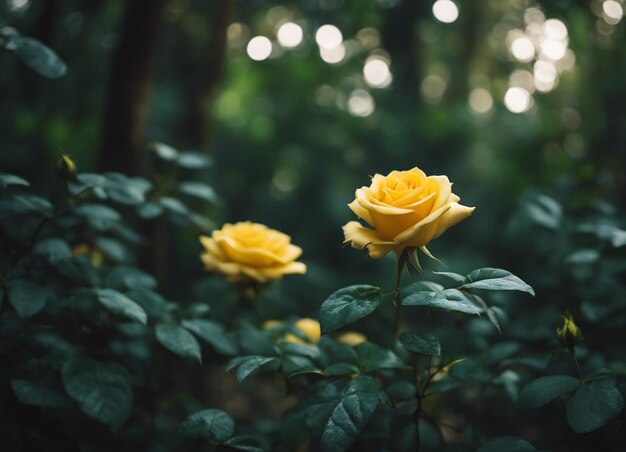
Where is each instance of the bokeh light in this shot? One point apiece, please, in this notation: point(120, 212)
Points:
point(259, 48)
point(289, 35)
point(328, 37)
point(612, 11)
point(545, 74)
point(376, 72)
point(361, 103)
point(433, 88)
point(555, 29)
point(523, 49)
point(480, 100)
point(333, 55)
point(517, 100)
point(445, 11)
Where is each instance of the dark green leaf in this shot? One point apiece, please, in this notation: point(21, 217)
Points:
point(348, 305)
point(102, 391)
point(296, 365)
point(37, 56)
point(545, 389)
point(11, 179)
point(215, 425)
point(371, 357)
point(178, 340)
point(153, 303)
point(247, 365)
point(496, 279)
point(544, 211)
point(26, 297)
point(449, 299)
point(113, 249)
point(98, 216)
point(453, 276)
point(254, 342)
point(248, 443)
point(125, 277)
point(149, 210)
point(199, 190)
point(341, 410)
point(174, 205)
point(401, 390)
point(293, 348)
point(213, 333)
point(120, 304)
point(338, 369)
point(423, 344)
point(79, 270)
point(594, 405)
point(53, 249)
point(508, 444)
point(193, 160)
point(164, 151)
point(39, 393)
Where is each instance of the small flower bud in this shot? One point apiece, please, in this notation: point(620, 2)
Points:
point(66, 168)
point(569, 335)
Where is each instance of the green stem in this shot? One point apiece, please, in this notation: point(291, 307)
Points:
point(396, 297)
point(580, 372)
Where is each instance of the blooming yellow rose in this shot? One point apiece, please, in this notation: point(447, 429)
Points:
point(406, 209)
point(250, 252)
point(309, 327)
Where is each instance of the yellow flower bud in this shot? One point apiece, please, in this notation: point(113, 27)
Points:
point(569, 335)
point(352, 338)
point(310, 328)
point(66, 168)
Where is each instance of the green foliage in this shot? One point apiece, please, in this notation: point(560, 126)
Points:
point(178, 340)
point(348, 305)
point(594, 405)
point(215, 425)
point(545, 389)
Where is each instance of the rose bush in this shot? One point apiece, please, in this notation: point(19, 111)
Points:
point(405, 209)
point(250, 252)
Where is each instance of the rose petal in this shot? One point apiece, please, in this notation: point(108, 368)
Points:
point(361, 212)
point(361, 237)
point(454, 215)
point(418, 234)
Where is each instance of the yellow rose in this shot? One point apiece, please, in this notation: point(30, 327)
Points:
point(406, 209)
point(351, 338)
point(309, 327)
point(250, 252)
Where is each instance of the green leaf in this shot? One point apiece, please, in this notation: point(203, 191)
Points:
point(496, 279)
point(102, 391)
point(338, 369)
point(199, 190)
point(120, 304)
point(248, 443)
point(215, 425)
point(149, 210)
point(453, 276)
point(125, 277)
point(26, 297)
point(371, 357)
point(213, 333)
point(423, 344)
point(164, 151)
point(36, 56)
point(348, 305)
point(293, 348)
point(247, 365)
point(295, 365)
point(418, 286)
point(594, 405)
point(401, 390)
point(341, 410)
point(193, 160)
point(7, 179)
point(545, 389)
point(174, 205)
point(40, 393)
point(449, 299)
point(53, 250)
point(79, 270)
point(178, 340)
point(544, 211)
point(153, 303)
point(254, 342)
point(508, 444)
point(98, 216)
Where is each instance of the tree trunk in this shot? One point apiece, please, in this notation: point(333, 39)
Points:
point(129, 87)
